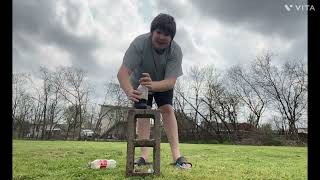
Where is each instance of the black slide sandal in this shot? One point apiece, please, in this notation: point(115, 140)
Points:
point(181, 162)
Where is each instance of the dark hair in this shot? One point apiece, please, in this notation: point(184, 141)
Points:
point(164, 22)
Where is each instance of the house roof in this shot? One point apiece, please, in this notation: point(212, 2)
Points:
point(112, 106)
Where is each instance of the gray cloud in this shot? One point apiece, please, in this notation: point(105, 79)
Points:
point(38, 19)
point(32, 17)
point(80, 48)
point(184, 40)
point(267, 17)
point(240, 26)
point(172, 7)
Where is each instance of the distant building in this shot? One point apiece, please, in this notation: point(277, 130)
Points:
point(302, 130)
point(54, 131)
point(113, 119)
point(86, 133)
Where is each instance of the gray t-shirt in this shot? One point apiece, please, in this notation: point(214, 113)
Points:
point(141, 57)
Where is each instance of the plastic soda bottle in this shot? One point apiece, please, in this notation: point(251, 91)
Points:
point(142, 104)
point(102, 164)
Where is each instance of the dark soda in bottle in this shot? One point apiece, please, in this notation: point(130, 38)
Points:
point(142, 104)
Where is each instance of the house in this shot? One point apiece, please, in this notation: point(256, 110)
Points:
point(302, 130)
point(51, 131)
point(86, 133)
point(112, 115)
point(118, 131)
point(114, 122)
point(245, 126)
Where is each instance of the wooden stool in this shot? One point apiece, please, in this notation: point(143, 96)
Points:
point(133, 114)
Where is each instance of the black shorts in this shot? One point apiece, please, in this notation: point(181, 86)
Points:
point(161, 98)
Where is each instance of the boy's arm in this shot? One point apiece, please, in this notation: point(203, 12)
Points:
point(123, 78)
point(164, 85)
point(157, 86)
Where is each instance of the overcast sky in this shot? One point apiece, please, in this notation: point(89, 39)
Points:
point(94, 34)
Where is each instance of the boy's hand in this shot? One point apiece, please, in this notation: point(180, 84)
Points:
point(146, 81)
point(133, 95)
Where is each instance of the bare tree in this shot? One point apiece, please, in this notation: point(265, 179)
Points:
point(21, 104)
point(280, 124)
point(37, 110)
point(98, 124)
point(244, 87)
point(186, 130)
point(178, 102)
point(197, 76)
point(218, 106)
point(37, 115)
point(94, 116)
point(211, 78)
point(74, 89)
point(18, 92)
point(194, 108)
point(69, 115)
point(115, 95)
point(286, 87)
point(222, 104)
point(232, 108)
point(204, 112)
point(46, 90)
point(23, 116)
point(44, 104)
point(55, 108)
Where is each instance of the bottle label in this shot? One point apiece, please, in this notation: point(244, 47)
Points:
point(144, 92)
point(103, 164)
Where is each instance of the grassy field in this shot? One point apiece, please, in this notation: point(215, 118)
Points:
point(68, 160)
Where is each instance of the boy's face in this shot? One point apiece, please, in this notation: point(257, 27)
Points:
point(160, 39)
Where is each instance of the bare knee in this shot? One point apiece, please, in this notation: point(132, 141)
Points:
point(143, 121)
point(166, 109)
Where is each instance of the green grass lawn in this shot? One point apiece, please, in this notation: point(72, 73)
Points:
point(68, 160)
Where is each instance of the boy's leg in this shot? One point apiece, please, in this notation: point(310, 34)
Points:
point(171, 129)
point(143, 130)
point(164, 102)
